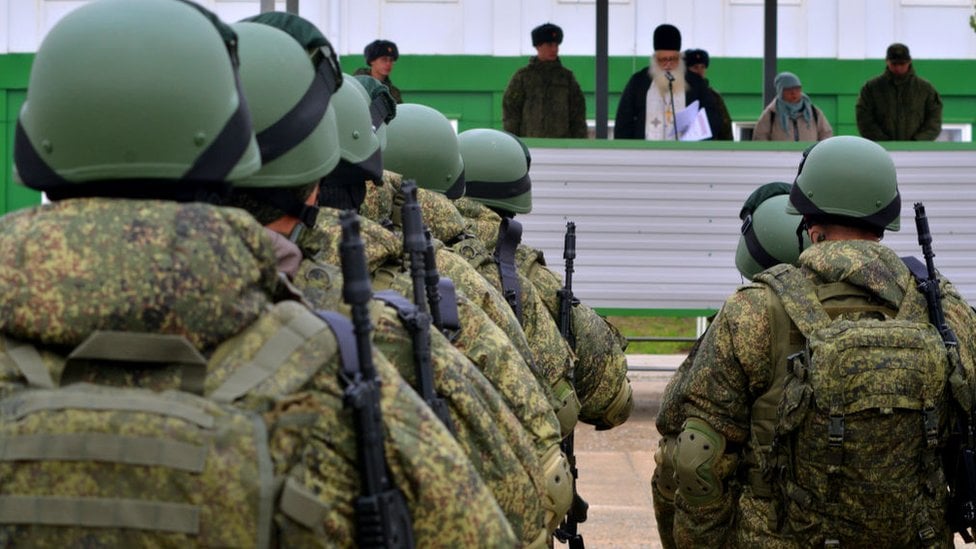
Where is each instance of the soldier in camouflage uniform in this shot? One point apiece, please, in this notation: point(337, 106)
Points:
point(543, 99)
point(721, 494)
point(499, 187)
point(767, 238)
point(435, 162)
point(130, 245)
point(500, 449)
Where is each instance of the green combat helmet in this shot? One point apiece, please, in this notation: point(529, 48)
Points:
point(382, 106)
point(294, 120)
point(134, 105)
point(421, 145)
point(850, 177)
point(358, 144)
point(768, 235)
point(496, 169)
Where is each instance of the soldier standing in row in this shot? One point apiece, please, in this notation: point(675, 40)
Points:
point(138, 270)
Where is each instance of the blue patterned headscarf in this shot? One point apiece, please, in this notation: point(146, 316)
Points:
point(791, 111)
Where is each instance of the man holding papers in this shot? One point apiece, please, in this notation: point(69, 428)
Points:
point(654, 94)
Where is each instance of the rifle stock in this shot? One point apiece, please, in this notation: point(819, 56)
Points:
point(382, 517)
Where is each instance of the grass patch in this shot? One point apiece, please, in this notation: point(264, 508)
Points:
point(655, 326)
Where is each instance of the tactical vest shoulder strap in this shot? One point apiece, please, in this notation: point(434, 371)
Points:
point(294, 333)
point(798, 296)
point(509, 237)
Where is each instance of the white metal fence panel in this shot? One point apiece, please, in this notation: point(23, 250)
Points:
point(657, 229)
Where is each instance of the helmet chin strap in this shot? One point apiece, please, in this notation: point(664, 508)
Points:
point(800, 229)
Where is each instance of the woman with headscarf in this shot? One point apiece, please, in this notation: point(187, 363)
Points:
point(791, 116)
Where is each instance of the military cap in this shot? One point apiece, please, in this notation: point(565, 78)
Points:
point(898, 52)
point(547, 33)
point(380, 48)
point(696, 57)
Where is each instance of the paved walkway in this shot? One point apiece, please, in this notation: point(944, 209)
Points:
point(616, 465)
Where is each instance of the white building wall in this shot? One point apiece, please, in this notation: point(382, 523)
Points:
point(845, 29)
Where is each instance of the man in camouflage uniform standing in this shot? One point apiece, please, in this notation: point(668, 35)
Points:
point(847, 193)
point(767, 238)
point(131, 248)
point(543, 99)
point(899, 105)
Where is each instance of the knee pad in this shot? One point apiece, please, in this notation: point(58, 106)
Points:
point(697, 462)
point(558, 485)
point(663, 478)
point(567, 406)
point(619, 408)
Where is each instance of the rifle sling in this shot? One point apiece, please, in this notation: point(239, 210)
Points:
point(509, 237)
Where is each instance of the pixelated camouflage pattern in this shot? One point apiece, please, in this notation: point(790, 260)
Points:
point(499, 447)
point(321, 242)
point(200, 272)
point(552, 353)
point(481, 221)
point(441, 216)
point(378, 204)
point(491, 350)
point(732, 367)
point(226, 490)
point(881, 375)
point(601, 365)
point(469, 283)
point(310, 429)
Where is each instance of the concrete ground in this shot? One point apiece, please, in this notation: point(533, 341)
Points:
point(616, 465)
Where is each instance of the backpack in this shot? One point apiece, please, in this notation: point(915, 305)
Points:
point(100, 457)
point(852, 446)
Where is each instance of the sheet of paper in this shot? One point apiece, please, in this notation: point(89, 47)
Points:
point(692, 123)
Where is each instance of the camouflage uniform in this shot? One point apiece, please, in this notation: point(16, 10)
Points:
point(500, 447)
point(606, 398)
point(208, 274)
point(543, 99)
point(733, 366)
point(490, 334)
point(899, 109)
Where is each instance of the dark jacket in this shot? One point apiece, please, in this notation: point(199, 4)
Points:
point(543, 99)
point(632, 109)
point(893, 109)
point(394, 91)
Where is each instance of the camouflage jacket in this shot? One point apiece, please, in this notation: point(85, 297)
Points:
point(208, 274)
point(485, 427)
point(543, 99)
point(732, 367)
point(899, 109)
point(500, 447)
point(600, 372)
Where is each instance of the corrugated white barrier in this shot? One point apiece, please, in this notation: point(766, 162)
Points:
point(657, 229)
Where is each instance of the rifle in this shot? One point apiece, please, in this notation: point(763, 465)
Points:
point(959, 459)
point(415, 245)
point(383, 519)
point(441, 294)
point(568, 531)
